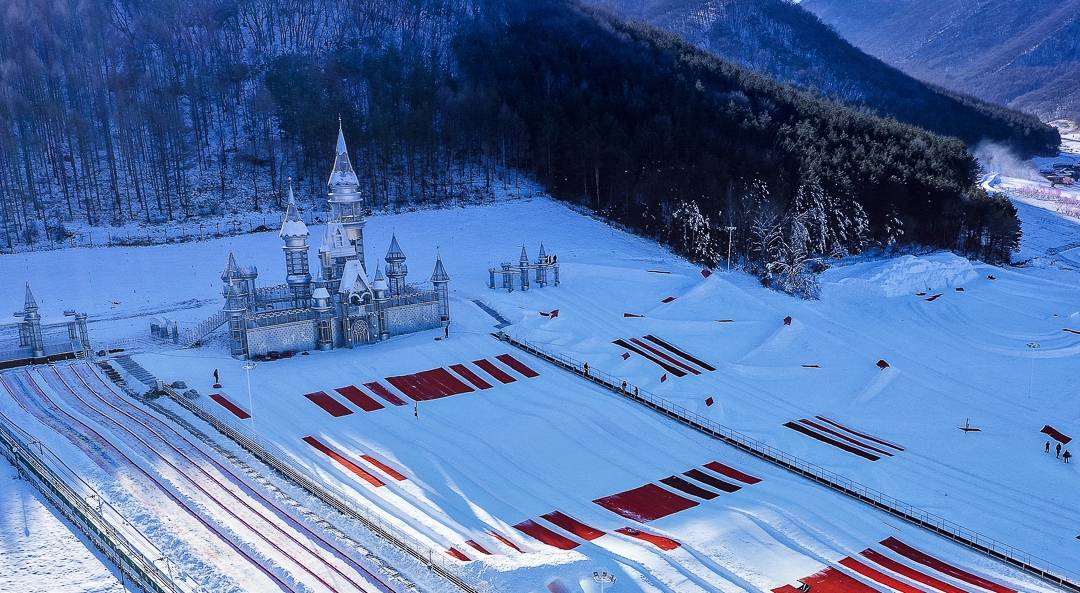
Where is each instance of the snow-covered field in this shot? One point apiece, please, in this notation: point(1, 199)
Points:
point(477, 464)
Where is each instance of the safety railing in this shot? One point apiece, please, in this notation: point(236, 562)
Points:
point(1012, 555)
point(273, 456)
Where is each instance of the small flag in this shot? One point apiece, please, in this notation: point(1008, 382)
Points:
point(554, 313)
point(709, 401)
point(664, 378)
point(706, 272)
point(416, 409)
point(545, 314)
point(626, 356)
point(787, 320)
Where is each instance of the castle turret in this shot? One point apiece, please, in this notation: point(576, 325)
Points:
point(541, 267)
point(243, 278)
point(441, 282)
point(235, 310)
point(396, 270)
point(323, 307)
point(523, 268)
point(346, 201)
point(295, 234)
point(380, 289)
point(30, 329)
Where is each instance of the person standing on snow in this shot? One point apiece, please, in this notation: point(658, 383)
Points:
point(1057, 452)
point(1066, 456)
point(217, 379)
point(1047, 449)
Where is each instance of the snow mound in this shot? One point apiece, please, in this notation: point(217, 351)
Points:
point(903, 275)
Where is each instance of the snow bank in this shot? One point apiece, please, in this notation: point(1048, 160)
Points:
point(903, 275)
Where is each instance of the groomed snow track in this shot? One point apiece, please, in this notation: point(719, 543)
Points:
point(879, 500)
point(200, 480)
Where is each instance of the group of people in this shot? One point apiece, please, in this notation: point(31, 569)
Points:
point(1066, 456)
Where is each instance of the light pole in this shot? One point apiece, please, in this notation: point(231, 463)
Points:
point(248, 367)
point(604, 578)
point(729, 230)
point(1033, 346)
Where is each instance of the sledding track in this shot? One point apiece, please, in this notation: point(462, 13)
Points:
point(268, 529)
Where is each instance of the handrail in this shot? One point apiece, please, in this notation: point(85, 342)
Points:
point(431, 558)
point(994, 548)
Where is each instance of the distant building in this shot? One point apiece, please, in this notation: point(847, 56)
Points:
point(543, 271)
point(44, 340)
point(343, 306)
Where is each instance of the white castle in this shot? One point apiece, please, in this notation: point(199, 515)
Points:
point(342, 307)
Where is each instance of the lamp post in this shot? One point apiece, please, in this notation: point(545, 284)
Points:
point(248, 367)
point(1033, 346)
point(729, 230)
point(604, 578)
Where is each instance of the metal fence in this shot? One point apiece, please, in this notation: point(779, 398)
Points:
point(110, 531)
point(1012, 555)
point(436, 560)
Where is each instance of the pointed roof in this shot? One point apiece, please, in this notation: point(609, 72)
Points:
point(524, 256)
point(231, 269)
point(343, 174)
point(380, 280)
point(335, 242)
point(394, 253)
point(292, 225)
point(29, 302)
point(543, 253)
point(353, 278)
point(439, 275)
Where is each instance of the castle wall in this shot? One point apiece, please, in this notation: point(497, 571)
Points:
point(404, 319)
point(299, 335)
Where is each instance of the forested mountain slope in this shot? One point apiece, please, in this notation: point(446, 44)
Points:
point(1022, 53)
point(783, 40)
point(120, 110)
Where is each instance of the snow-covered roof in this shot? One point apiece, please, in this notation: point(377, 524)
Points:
point(354, 278)
point(320, 293)
point(292, 225)
point(336, 242)
point(342, 174)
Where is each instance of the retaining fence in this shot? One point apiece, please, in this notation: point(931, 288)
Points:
point(90, 518)
point(432, 558)
point(1011, 555)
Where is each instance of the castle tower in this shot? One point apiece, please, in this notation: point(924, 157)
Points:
point(295, 234)
point(243, 279)
point(523, 266)
point(236, 310)
point(441, 281)
point(324, 316)
point(396, 270)
point(30, 329)
point(541, 268)
point(346, 201)
point(380, 289)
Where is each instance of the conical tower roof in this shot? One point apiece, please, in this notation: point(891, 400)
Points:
point(543, 253)
point(394, 253)
point(231, 269)
point(292, 225)
point(29, 302)
point(439, 275)
point(343, 174)
point(379, 283)
point(524, 256)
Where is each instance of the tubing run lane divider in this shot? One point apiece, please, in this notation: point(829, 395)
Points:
point(267, 511)
point(419, 551)
point(951, 530)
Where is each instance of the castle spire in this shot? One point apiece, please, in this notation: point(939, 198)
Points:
point(343, 174)
point(524, 256)
point(29, 302)
point(394, 253)
point(439, 275)
point(292, 225)
point(231, 269)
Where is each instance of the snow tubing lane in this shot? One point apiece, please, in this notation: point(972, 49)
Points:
point(645, 503)
point(301, 527)
point(840, 435)
point(505, 540)
point(861, 434)
point(734, 474)
point(829, 580)
point(878, 577)
point(689, 488)
point(470, 376)
point(331, 405)
point(489, 367)
point(667, 367)
point(682, 365)
point(574, 526)
point(664, 543)
point(943, 567)
point(176, 499)
point(477, 547)
point(674, 349)
point(359, 399)
point(458, 554)
point(717, 483)
point(910, 573)
point(381, 391)
point(517, 365)
point(831, 441)
point(545, 535)
point(345, 462)
point(228, 405)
